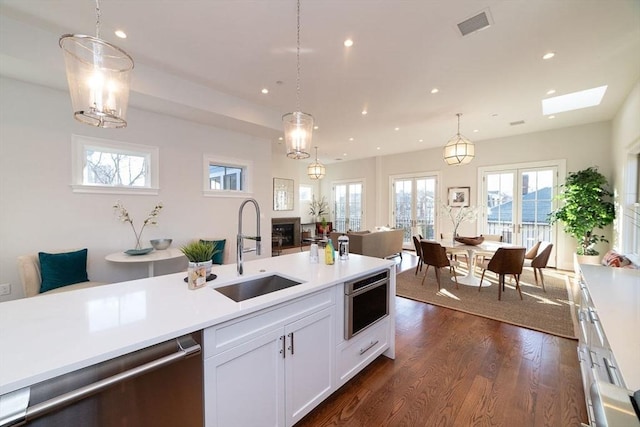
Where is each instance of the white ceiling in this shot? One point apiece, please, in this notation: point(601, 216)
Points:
point(207, 60)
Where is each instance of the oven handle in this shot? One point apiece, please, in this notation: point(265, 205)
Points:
point(187, 347)
point(368, 287)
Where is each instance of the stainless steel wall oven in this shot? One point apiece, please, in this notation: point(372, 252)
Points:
point(366, 301)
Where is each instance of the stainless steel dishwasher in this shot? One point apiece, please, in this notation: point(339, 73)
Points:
point(156, 386)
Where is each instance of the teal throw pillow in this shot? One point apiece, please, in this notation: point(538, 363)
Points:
point(218, 246)
point(58, 270)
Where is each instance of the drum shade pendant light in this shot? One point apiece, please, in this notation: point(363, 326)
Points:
point(98, 74)
point(298, 126)
point(316, 170)
point(459, 150)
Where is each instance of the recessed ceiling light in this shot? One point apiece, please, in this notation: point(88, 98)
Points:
point(435, 90)
point(476, 131)
point(344, 154)
point(573, 101)
point(121, 34)
point(377, 148)
point(315, 127)
point(396, 129)
point(420, 140)
point(552, 117)
point(350, 139)
point(348, 43)
point(364, 112)
point(548, 55)
point(551, 91)
point(265, 90)
point(280, 139)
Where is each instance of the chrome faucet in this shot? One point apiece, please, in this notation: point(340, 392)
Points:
point(240, 246)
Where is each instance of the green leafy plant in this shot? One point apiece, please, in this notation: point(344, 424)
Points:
point(199, 251)
point(586, 206)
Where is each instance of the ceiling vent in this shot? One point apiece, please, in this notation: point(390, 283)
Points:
point(516, 123)
point(475, 23)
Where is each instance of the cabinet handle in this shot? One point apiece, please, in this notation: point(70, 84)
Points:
point(291, 346)
point(282, 350)
point(580, 359)
point(593, 362)
point(613, 372)
point(369, 347)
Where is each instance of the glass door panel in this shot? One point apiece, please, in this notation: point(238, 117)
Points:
point(413, 207)
point(499, 188)
point(348, 206)
point(536, 204)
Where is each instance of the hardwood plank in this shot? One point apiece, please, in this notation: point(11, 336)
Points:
point(456, 369)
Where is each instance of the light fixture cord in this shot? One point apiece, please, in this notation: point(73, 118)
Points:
point(97, 19)
point(297, 59)
point(459, 114)
point(316, 154)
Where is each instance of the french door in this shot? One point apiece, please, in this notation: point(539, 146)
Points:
point(518, 202)
point(413, 206)
point(348, 206)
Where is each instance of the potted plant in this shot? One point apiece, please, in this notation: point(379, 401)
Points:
point(586, 206)
point(318, 207)
point(200, 254)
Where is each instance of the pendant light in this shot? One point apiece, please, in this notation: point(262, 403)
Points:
point(98, 74)
point(298, 126)
point(316, 170)
point(459, 150)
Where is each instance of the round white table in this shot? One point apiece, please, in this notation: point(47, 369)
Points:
point(470, 278)
point(151, 257)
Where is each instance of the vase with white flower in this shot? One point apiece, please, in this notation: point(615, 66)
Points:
point(458, 215)
point(151, 219)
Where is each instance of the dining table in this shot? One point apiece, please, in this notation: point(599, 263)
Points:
point(470, 279)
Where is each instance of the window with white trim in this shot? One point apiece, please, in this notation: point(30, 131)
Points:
point(226, 177)
point(107, 166)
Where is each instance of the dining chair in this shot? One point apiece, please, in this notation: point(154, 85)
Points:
point(416, 243)
point(539, 260)
point(434, 254)
point(455, 253)
point(505, 261)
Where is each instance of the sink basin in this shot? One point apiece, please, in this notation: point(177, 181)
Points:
point(256, 287)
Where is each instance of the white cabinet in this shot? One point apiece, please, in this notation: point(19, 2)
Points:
point(274, 377)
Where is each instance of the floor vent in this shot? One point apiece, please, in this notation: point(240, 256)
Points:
point(475, 23)
point(516, 123)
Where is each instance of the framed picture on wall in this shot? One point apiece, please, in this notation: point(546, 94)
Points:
point(459, 196)
point(283, 194)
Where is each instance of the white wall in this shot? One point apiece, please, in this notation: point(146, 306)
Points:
point(39, 212)
point(626, 144)
point(581, 146)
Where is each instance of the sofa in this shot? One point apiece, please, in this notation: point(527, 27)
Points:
point(378, 244)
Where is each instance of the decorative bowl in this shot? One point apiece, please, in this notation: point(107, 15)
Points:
point(160, 244)
point(473, 241)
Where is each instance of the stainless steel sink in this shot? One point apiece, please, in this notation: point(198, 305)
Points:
point(256, 287)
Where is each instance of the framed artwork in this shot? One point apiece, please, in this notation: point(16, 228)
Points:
point(283, 194)
point(459, 196)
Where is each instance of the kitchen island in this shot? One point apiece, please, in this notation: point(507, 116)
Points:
point(51, 335)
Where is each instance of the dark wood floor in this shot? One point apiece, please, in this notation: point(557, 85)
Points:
point(456, 369)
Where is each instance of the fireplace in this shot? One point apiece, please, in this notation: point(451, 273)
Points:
point(288, 229)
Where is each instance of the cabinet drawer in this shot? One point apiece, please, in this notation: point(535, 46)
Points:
point(227, 335)
point(355, 354)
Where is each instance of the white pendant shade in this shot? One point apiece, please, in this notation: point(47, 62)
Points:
point(298, 129)
point(459, 150)
point(98, 74)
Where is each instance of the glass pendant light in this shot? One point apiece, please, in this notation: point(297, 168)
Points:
point(298, 126)
point(459, 150)
point(98, 74)
point(316, 170)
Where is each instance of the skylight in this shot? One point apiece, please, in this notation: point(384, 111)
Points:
point(573, 101)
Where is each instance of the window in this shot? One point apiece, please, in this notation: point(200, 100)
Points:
point(106, 166)
point(226, 177)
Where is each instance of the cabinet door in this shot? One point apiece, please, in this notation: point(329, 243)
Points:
point(244, 386)
point(309, 363)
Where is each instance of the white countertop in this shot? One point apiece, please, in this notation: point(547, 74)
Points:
point(615, 293)
point(50, 335)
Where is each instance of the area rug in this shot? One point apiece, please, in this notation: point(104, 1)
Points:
point(549, 312)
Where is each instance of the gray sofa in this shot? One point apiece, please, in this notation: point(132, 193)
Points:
point(378, 244)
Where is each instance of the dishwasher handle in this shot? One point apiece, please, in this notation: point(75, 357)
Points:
point(187, 347)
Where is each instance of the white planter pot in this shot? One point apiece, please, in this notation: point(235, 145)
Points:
point(584, 259)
